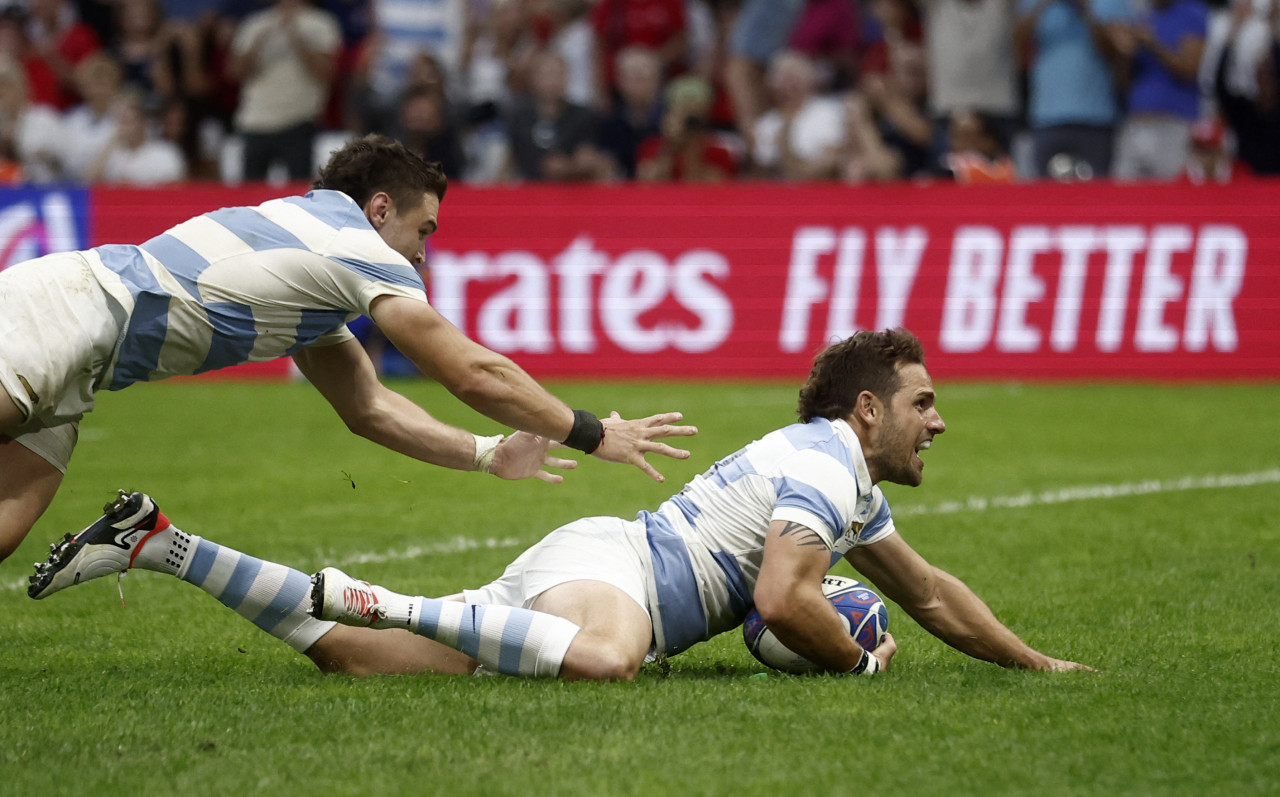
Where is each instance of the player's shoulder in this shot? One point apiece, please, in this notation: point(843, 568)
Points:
point(813, 444)
point(334, 208)
point(818, 434)
point(319, 218)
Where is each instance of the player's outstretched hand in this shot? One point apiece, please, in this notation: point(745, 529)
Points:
point(1061, 665)
point(628, 441)
point(524, 455)
point(885, 650)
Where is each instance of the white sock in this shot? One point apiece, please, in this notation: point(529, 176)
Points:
point(273, 597)
point(507, 639)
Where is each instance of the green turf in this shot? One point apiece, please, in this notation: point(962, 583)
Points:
point(1172, 593)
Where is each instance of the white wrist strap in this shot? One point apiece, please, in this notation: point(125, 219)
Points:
point(867, 665)
point(485, 449)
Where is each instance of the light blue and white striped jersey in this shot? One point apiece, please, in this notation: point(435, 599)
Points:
point(247, 284)
point(706, 542)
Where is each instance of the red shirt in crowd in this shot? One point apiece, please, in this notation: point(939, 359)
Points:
point(714, 155)
point(648, 23)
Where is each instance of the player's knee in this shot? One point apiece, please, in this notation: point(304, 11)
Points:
point(11, 536)
point(604, 663)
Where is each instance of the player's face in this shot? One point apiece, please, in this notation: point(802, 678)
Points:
point(911, 422)
point(406, 228)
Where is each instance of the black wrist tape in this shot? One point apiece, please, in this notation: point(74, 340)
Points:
point(587, 432)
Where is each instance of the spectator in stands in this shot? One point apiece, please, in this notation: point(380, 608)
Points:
point(551, 138)
point(90, 126)
point(829, 33)
point(893, 25)
point(703, 20)
point(758, 34)
point(1073, 102)
point(354, 17)
point(63, 41)
point(495, 58)
point(1210, 160)
point(401, 30)
point(637, 113)
point(1245, 25)
point(195, 96)
point(711, 23)
point(134, 156)
point(285, 57)
point(180, 126)
point(368, 115)
point(355, 20)
point(99, 15)
point(43, 87)
point(139, 43)
point(1251, 111)
point(426, 128)
point(866, 157)
point(686, 150)
point(1163, 52)
point(801, 136)
point(973, 66)
point(660, 25)
point(565, 26)
point(978, 153)
point(29, 133)
point(900, 100)
point(184, 66)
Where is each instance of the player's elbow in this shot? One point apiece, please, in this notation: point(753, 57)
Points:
point(480, 385)
point(775, 607)
point(361, 423)
point(472, 387)
point(366, 418)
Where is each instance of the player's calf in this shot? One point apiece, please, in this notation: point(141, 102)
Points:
point(505, 639)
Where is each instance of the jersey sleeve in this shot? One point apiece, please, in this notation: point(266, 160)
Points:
point(812, 492)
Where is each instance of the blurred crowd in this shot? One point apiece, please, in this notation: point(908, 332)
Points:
point(147, 92)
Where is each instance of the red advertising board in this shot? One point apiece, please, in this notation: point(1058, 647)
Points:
point(1092, 281)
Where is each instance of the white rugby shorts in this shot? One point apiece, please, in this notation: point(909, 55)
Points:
point(58, 330)
point(591, 549)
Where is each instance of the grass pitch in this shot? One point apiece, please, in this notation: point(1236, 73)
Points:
point(1129, 527)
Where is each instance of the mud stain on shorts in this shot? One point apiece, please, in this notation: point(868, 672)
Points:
point(35, 398)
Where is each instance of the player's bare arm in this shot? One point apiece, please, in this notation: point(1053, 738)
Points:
point(346, 378)
point(486, 381)
point(495, 386)
point(790, 600)
point(945, 607)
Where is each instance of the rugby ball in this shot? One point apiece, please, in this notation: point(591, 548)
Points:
point(863, 613)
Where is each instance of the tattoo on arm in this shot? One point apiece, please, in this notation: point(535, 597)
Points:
point(805, 536)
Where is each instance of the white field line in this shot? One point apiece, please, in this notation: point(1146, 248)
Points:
point(1092, 492)
point(457, 545)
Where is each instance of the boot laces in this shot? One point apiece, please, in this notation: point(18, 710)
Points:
point(362, 602)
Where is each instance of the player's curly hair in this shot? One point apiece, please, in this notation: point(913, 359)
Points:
point(863, 361)
point(374, 163)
